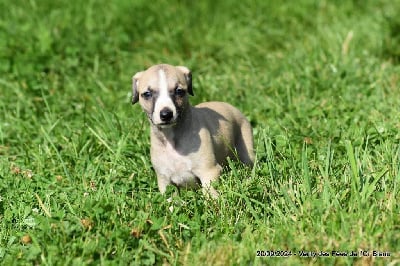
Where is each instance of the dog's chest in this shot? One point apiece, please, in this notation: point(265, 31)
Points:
point(170, 164)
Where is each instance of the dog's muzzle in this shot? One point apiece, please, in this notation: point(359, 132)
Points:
point(166, 117)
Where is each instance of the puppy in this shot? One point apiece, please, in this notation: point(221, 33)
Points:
point(189, 144)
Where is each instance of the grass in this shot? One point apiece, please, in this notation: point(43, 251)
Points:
point(319, 81)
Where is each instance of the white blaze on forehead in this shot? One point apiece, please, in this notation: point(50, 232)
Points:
point(162, 82)
point(163, 100)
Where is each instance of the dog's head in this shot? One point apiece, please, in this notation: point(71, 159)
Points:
point(162, 91)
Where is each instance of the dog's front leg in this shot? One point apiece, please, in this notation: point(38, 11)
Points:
point(162, 182)
point(207, 176)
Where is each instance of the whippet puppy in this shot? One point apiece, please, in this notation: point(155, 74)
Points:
point(189, 144)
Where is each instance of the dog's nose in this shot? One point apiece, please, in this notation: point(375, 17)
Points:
point(166, 114)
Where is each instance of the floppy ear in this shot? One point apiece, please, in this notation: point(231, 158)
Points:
point(135, 82)
point(188, 77)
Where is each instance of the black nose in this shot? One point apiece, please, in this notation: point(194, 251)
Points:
point(166, 114)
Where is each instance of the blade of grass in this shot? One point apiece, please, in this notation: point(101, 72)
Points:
point(305, 172)
point(355, 178)
point(47, 137)
point(102, 141)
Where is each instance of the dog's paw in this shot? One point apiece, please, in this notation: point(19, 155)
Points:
point(210, 193)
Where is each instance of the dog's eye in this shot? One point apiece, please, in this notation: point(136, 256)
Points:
point(179, 91)
point(146, 95)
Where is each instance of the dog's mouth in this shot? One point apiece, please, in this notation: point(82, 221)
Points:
point(165, 124)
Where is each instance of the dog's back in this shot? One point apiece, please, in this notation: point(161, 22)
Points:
point(232, 130)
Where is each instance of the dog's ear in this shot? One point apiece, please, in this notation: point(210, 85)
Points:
point(188, 77)
point(135, 82)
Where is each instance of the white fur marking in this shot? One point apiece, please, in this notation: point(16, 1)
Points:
point(162, 83)
point(163, 100)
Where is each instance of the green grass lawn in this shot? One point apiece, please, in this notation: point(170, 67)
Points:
point(319, 81)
